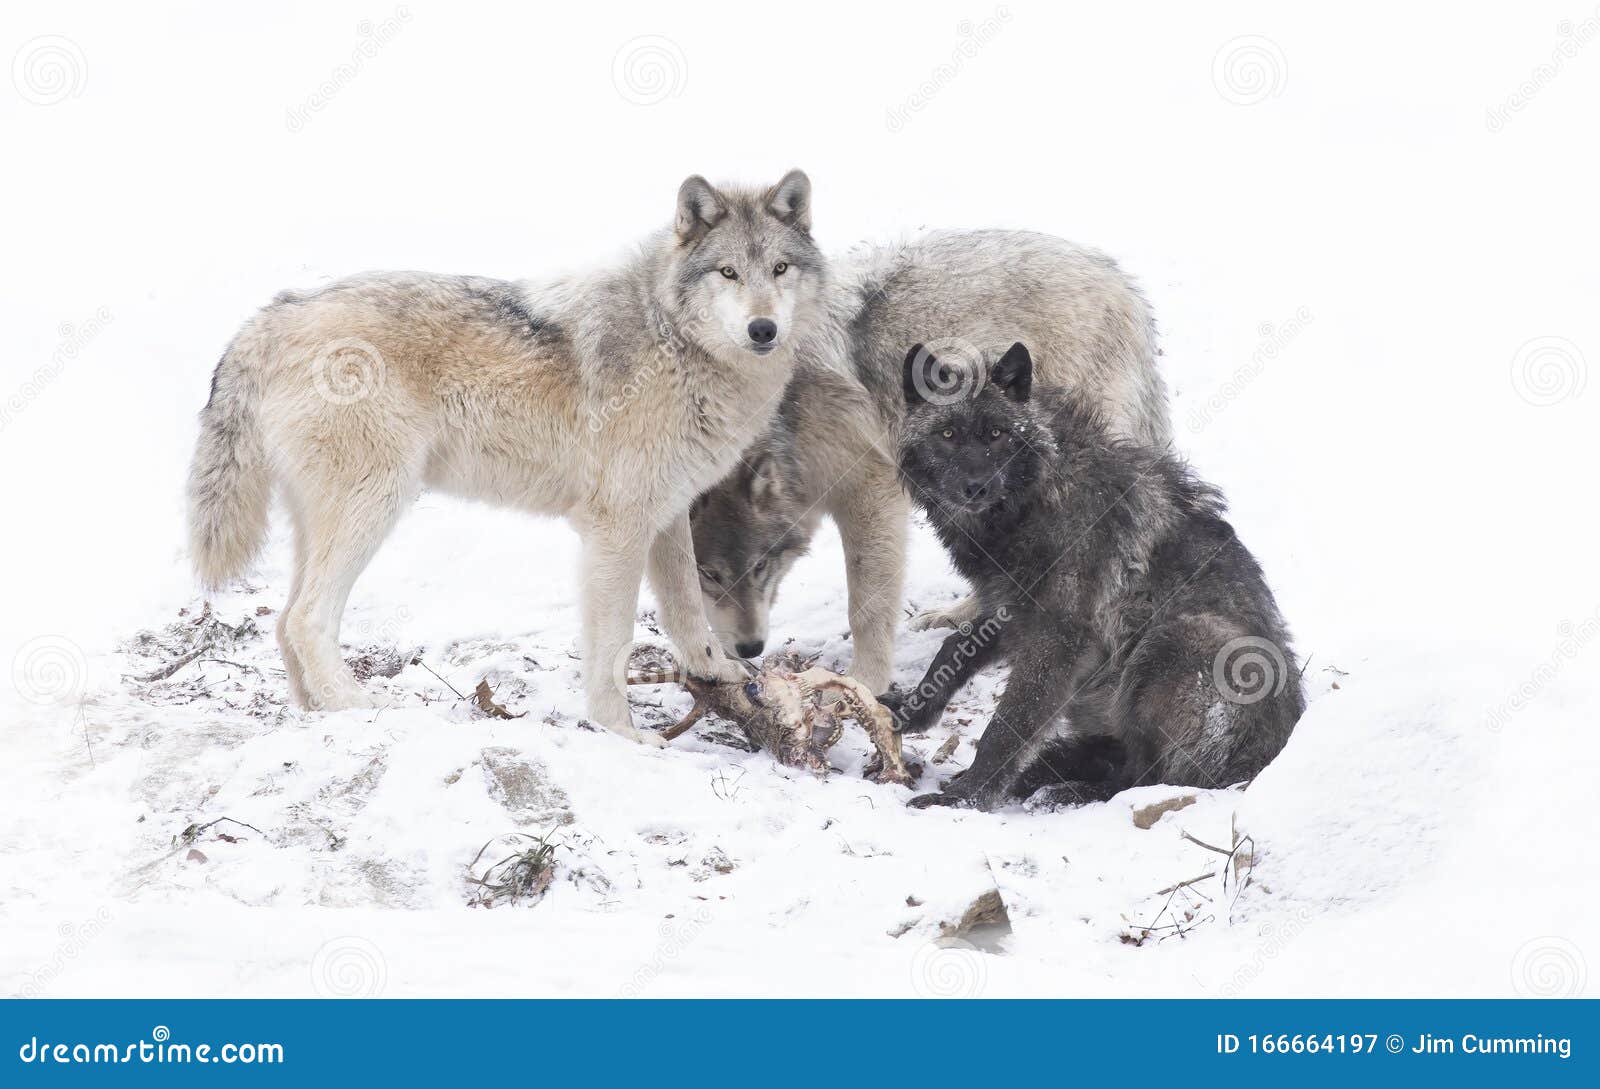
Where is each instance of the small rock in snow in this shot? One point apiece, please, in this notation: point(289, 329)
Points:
point(1145, 816)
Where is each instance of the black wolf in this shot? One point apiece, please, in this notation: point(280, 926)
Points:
point(1144, 644)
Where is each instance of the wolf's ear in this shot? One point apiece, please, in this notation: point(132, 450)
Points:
point(700, 208)
point(923, 372)
point(765, 483)
point(790, 200)
point(1013, 373)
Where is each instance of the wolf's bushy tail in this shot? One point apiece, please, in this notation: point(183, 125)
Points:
point(230, 487)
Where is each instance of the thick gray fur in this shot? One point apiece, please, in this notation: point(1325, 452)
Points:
point(832, 451)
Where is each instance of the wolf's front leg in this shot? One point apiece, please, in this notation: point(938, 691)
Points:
point(613, 564)
point(1035, 698)
point(873, 522)
point(683, 615)
point(960, 657)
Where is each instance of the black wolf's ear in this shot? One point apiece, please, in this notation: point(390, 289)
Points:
point(790, 200)
point(922, 374)
point(700, 208)
point(1013, 373)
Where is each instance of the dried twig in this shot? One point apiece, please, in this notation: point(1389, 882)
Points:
point(1185, 884)
point(418, 661)
point(236, 665)
point(88, 743)
point(1207, 846)
point(176, 664)
point(192, 833)
point(722, 787)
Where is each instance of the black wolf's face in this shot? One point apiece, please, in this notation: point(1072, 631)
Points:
point(965, 450)
point(746, 266)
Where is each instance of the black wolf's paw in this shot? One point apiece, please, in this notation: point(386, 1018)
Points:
point(1067, 796)
point(955, 796)
point(905, 720)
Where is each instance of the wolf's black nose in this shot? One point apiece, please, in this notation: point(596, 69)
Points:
point(763, 331)
point(749, 649)
point(977, 489)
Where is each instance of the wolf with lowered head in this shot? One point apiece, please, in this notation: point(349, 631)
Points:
point(831, 452)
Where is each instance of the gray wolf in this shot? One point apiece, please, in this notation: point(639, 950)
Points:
point(610, 399)
point(832, 450)
point(1144, 643)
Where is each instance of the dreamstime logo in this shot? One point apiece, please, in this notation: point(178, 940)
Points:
point(373, 38)
point(1275, 936)
point(973, 639)
point(637, 381)
point(1274, 340)
point(1548, 370)
point(49, 69)
point(1549, 967)
point(949, 968)
point(947, 371)
point(1249, 69)
point(383, 630)
point(676, 936)
point(50, 669)
point(1571, 38)
point(972, 40)
point(75, 337)
point(75, 938)
point(674, 338)
point(1571, 641)
point(349, 967)
point(649, 69)
point(1249, 669)
point(348, 370)
point(655, 659)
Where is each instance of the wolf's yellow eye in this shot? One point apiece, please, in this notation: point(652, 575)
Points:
point(729, 272)
point(949, 433)
point(780, 268)
point(994, 433)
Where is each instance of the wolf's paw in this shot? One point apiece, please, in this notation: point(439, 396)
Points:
point(895, 702)
point(648, 738)
point(337, 696)
point(929, 619)
point(719, 671)
point(957, 795)
point(907, 716)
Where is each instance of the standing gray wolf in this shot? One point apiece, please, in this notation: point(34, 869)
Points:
point(832, 450)
point(611, 399)
point(1144, 644)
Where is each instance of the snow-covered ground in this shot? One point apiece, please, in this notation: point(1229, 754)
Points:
point(1370, 242)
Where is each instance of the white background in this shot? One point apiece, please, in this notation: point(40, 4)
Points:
point(1414, 466)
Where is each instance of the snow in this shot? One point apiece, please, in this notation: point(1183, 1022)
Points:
point(1378, 322)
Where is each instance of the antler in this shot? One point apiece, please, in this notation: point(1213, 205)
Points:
point(701, 693)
